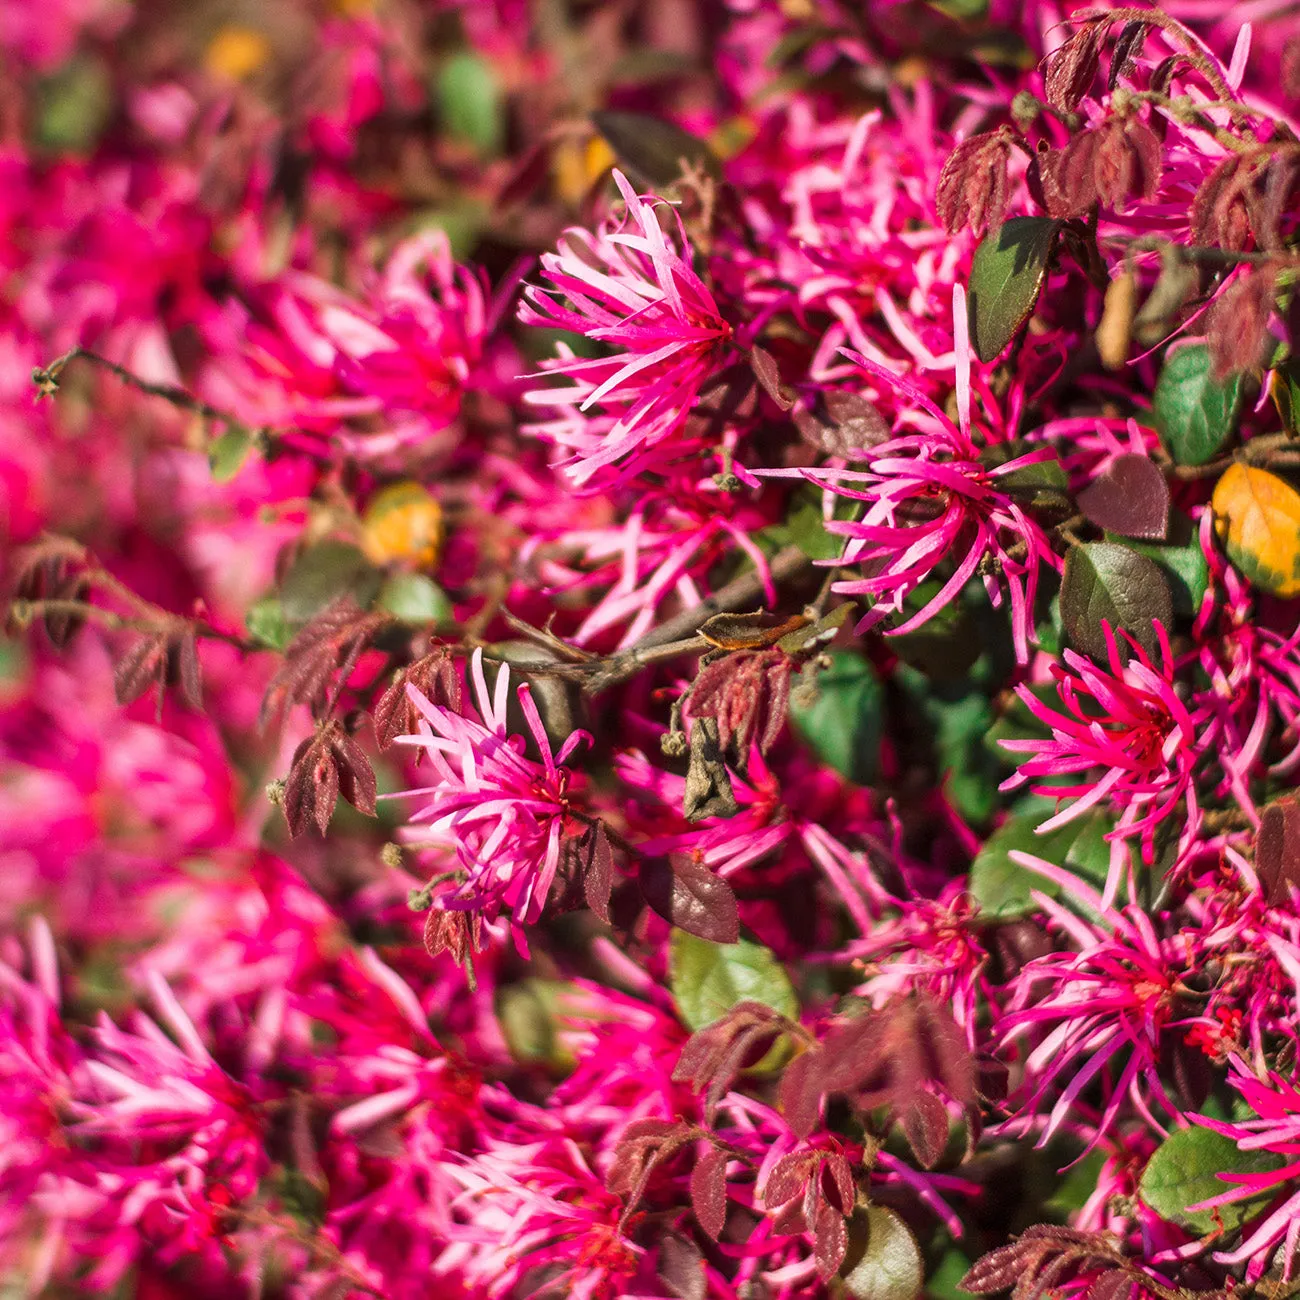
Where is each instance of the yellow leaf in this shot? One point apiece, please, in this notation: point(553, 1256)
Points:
point(403, 523)
point(236, 52)
point(1257, 516)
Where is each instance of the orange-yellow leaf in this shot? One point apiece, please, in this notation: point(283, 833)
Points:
point(403, 523)
point(1257, 515)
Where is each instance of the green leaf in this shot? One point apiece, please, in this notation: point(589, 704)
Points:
point(1104, 580)
point(842, 725)
point(804, 527)
point(946, 645)
point(651, 150)
point(265, 623)
point(1182, 1173)
point(469, 100)
point(529, 1013)
point(883, 1261)
point(708, 979)
point(226, 456)
point(415, 599)
point(1182, 561)
point(969, 770)
point(1002, 887)
point(73, 106)
point(1043, 476)
point(1195, 414)
point(323, 573)
point(1006, 277)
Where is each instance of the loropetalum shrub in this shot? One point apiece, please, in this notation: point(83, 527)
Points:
point(654, 650)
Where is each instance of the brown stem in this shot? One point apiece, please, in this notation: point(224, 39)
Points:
point(1203, 253)
point(27, 610)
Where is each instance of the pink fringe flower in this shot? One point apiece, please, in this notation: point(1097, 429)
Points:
point(505, 814)
point(633, 289)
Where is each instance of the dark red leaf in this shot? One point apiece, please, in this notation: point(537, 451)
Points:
point(597, 870)
point(1130, 498)
point(801, 1092)
point(312, 787)
point(787, 1180)
point(972, 187)
point(925, 1124)
point(841, 424)
point(852, 1052)
point(186, 655)
point(832, 1240)
point(457, 933)
point(1219, 214)
point(769, 376)
point(681, 1267)
point(994, 1272)
point(1127, 48)
point(943, 1045)
point(1236, 326)
point(837, 1186)
point(1114, 1284)
point(1073, 67)
point(143, 665)
point(1277, 848)
point(709, 1191)
point(356, 778)
point(684, 891)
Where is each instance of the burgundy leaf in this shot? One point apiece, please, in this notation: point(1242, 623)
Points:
point(685, 892)
point(143, 665)
point(1277, 848)
point(837, 1186)
point(327, 648)
point(832, 1241)
point(312, 787)
point(943, 1045)
point(356, 777)
point(1130, 498)
point(972, 187)
point(1127, 48)
point(851, 1052)
point(801, 1092)
point(185, 654)
point(643, 1145)
point(925, 1124)
point(1236, 327)
point(787, 1180)
point(681, 1267)
point(457, 933)
point(435, 677)
point(1073, 67)
point(597, 861)
point(1114, 1284)
point(996, 1271)
point(1219, 214)
point(841, 424)
point(709, 1191)
point(1290, 70)
point(745, 693)
point(769, 376)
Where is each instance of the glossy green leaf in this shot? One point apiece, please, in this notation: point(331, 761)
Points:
point(416, 599)
point(1104, 580)
point(266, 624)
point(842, 724)
point(323, 573)
point(1195, 413)
point(227, 454)
point(469, 100)
point(708, 979)
point(1182, 561)
point(883, 1261)
point(1006, 278)
point(651, 150)
point(1002, 887)
point(1183, 1171)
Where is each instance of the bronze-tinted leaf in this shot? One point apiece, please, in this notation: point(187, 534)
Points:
point(651, 150)
point(684, 891)
point(709, 1191)
point(1130, 498)
point(1277, 849)
point(1073, 67)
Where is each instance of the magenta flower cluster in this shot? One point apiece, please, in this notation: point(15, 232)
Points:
point(652, 648)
